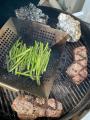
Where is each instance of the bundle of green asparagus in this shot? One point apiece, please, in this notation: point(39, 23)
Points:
point(28, 61)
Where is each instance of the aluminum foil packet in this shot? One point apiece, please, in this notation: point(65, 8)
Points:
point(31, 12)
point(69, 25)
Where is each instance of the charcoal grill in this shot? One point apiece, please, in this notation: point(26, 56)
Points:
point(74, 98)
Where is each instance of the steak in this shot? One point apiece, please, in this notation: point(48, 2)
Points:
point(74, 69)
point(31, 107)
point(78, 69)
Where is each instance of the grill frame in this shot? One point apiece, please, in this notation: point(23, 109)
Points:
point(81, 105)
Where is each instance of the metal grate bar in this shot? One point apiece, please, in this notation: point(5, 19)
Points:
point(87, 83)
point(85, 87)
point(81, 94)
point(6, 102)
point(73, 95)
point(72, 98)
point(64, 101)
point(67, 97)
point(74, 88)
point(2, 107)
point(8, 96)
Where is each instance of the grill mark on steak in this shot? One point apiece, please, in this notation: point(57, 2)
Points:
point(83, 73)
point(74, 69)
point(82, 62)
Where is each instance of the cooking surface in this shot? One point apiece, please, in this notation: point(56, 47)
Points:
point(71, 95)
point(69, 90)
point(64, 90)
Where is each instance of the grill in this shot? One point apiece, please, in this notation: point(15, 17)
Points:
point(73, 97)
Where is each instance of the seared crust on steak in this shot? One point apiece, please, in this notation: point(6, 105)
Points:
point(78, 69)
point(29, 107)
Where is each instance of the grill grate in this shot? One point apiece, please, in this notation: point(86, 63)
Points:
point(71, 94)
point(63, 89)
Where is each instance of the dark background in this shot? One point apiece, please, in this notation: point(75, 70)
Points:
point(7, 8)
